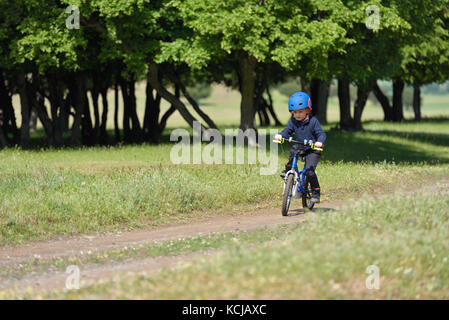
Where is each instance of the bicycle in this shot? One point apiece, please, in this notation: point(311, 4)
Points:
point(296, 184)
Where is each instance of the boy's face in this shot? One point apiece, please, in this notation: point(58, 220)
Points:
point(300, 114)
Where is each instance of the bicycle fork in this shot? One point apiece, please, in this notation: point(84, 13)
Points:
point(298, 186)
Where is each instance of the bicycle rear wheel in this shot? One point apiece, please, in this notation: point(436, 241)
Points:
point(307, 195)
point(287, 195)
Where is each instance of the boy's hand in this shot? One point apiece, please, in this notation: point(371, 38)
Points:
point(278, 137)
point(318, 144)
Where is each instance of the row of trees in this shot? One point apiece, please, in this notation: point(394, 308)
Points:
point(248, 45)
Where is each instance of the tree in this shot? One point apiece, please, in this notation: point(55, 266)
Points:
point(258, 32)
point(373, 54)
point(426, 59)
point(422, 52)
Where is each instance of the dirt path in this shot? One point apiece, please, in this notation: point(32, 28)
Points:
point(76, 246)
point(94, 274)
point(89, 274)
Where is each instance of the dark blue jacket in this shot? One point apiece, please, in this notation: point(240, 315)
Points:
point(309, 129)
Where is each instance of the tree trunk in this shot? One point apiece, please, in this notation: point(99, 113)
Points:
point(152, 112)
point(192, 102)
point(344, 99)
point(153, 77)
point(9, 118)
point(66, 106)
point(104, 116)
point(116, 128)
point(88, 137)
point(384, 102)
point(320, 93)
point(3, 116)
point(314, 95)
point(261, 119)
point(24, 110)
point(264, 118)
point(126, 114)
point(132, 134)
point(39, 105)
point(56, 103)
point(78, 96)
point(10, 115)
point(259, 102)
point(3, 140)
point(398, 88)
point(359, 104)
point(168, 113)
point(270, 108)
point(165, 117)
point(137, 130)
point(247, 66)
point(94, 92)
point(417, 102)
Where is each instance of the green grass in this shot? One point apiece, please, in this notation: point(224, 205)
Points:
point(325, 258)
point(46, 193)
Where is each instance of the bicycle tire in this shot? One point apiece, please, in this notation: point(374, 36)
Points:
point(307, 195)
point(287, 195)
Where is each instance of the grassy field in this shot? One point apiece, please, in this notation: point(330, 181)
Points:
point(325, 258)
point(46, 193)
point(330, 256)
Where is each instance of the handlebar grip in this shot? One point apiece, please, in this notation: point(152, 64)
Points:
point(278, 141)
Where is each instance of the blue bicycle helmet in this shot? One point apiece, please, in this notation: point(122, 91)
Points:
point(299, 100)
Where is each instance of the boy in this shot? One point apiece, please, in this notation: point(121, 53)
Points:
point(305, 127)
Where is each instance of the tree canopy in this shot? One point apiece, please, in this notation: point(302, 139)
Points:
point(45, 57)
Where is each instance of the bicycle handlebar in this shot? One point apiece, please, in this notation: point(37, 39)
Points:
point(305, 142)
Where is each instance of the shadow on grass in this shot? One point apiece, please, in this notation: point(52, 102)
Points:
point(438, 139)
point(344, 146)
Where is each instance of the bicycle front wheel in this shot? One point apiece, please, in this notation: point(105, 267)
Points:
point(287, 195)
point(307, 195)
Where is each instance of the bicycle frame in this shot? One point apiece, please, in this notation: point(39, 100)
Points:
point(299, 177)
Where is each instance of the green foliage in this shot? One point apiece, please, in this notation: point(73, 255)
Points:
point(426, 55)
point(374, 53)
point(272, 31)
